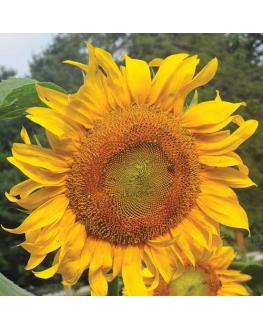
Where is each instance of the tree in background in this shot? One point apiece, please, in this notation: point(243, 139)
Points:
point(239, 77)
point(6, 73)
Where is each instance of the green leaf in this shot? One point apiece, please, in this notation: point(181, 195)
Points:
point(240, 265)
point(18, 94)
point(194, 100)
point(8, 288)
point(114, 287)
point(256, 283)
point(8, 85)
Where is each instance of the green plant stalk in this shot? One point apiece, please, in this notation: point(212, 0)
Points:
point(113, 289)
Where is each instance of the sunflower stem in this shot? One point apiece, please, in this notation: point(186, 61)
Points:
point(114, 287)
point(68, 290)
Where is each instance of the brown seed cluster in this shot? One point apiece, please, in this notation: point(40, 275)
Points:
point(135, 177)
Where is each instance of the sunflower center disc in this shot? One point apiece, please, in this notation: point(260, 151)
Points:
point(135, 177)
point(139, 179)
point(193, 282)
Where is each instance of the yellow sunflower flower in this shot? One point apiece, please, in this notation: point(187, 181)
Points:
point(128, 171)
point(209, 277)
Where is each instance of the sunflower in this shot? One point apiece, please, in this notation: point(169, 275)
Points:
point(127, 171)
point(209, 277)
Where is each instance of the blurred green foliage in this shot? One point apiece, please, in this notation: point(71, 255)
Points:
point(239, 78)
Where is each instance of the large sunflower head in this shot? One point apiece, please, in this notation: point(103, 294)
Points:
point(128, 171)
point(211, 276)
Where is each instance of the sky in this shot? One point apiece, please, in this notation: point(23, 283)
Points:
point(16, 49)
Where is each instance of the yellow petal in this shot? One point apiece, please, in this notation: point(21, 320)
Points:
point(107, 62)
point(132, 272)
point(230, 276)
point(217, 189)
point(79, 65)
point(212, 137)
point(117, 261)
point(54, 99)
point(155, 62)
point(233, 290)
point(115, 80)
point(76, 242)
point(49, 246)
point(186, 249)
point(102, 257)
point(82, 264)
point(209, 113)
point(138, 78)
point(37, 198)
point(172, 90)
point(224, 210)
point(34, 261)
point(40, 157)
point(40, 241)
point(25, 136)
point(69, 232)
point(91, 100)
point(51, 271)
point(65, 105)
point(242, 167)
point(100, 264)
point(152, 270)
point(207, 129)
point(162, 258)
point(202, 78)
point(56, 231)
point(222, 258)
point(85, 256)
point(63, 146)
point(46, 214)
point(98, 283)
point(47, 273)
point(229, 176)
point(178, 254)
point(166, 70)
point(24, 188)
point(230, 143)
point(92, 65)
point(206, 223)
point(238, 120)
point(32, 236)
point(42, 176)
point(52, 121)
point(219, 161)
point(78, 259)
point(165, 241)
point(194, 233)
point(70, 235)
